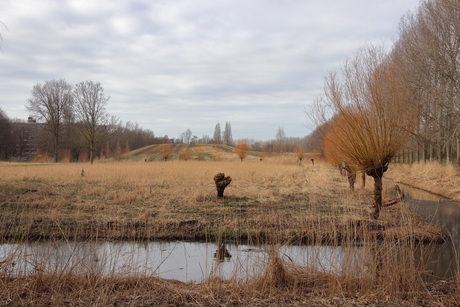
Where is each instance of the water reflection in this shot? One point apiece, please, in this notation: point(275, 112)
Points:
point(195, 262)
point(441, 259)
point(222, 253)
point(185, 261)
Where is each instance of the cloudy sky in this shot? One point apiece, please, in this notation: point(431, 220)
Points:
point(170, 65)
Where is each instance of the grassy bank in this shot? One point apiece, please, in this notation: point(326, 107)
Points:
point(440, 179)
point(275, 201)
point(272, 200)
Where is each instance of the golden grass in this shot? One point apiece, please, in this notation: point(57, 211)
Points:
point(164, 200)
point(275, 201)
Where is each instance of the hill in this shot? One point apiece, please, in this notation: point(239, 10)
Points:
point(200, 152)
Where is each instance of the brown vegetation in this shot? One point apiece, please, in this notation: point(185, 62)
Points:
point(440, 179)
point(276, 201)
point(372, 115)
point(300, 152)
point(241, 149)
point(166, 150)
point(150, 201)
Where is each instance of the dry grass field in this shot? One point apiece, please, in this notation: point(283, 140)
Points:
point(275, 201)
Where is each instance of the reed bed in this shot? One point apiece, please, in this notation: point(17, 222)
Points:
point(270, 203)
point(437, 178)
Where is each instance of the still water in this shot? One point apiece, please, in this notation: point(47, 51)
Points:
point(196, 262)
point(184, 261)
point(445, 213)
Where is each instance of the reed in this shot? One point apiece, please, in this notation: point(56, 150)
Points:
point(441, 179)
point(270, 204)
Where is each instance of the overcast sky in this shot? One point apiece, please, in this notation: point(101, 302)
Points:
point(170, 65)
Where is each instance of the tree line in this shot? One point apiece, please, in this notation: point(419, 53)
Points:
point(426, 60)
point(428, 54)
point(69, 123)
point(402, 105)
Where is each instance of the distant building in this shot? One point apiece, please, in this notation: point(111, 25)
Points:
point(30, 144)
point(27, 139)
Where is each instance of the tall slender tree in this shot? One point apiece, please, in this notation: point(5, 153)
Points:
point(428, 53)
point(227, 137)
point(217, 137)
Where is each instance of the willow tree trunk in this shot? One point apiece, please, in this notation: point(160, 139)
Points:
point(377, 205)
point(363, 180)
point(221, 183)
point(377, 175)
point(56, 147)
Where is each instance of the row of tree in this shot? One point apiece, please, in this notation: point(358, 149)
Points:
point(57, 103)
point(72, 123)
point(280, 144)
point(428, 54)
point(224, 137)
point(219, 137)
point(381, 105)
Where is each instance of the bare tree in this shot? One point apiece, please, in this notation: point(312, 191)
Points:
point(7, 144)
point(52, 102)
point(90, 112)
point(280, 139)
point(428, 53)
point(187, 136)
point(372, 111)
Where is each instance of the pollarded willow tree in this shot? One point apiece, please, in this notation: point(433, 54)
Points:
point(372, 114)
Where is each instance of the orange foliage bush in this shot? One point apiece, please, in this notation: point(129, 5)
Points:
point(241, 149)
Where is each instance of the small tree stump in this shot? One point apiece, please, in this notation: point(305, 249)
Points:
point(221, 183)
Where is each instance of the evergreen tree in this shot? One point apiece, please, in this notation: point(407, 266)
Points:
point(227, 135)
point(217, 139)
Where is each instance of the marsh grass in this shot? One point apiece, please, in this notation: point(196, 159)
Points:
point(275, 201)
point(440, 179)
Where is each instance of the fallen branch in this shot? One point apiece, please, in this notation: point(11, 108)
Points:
point(395, 200)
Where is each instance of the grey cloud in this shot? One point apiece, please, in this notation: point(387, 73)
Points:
point(173, 65)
